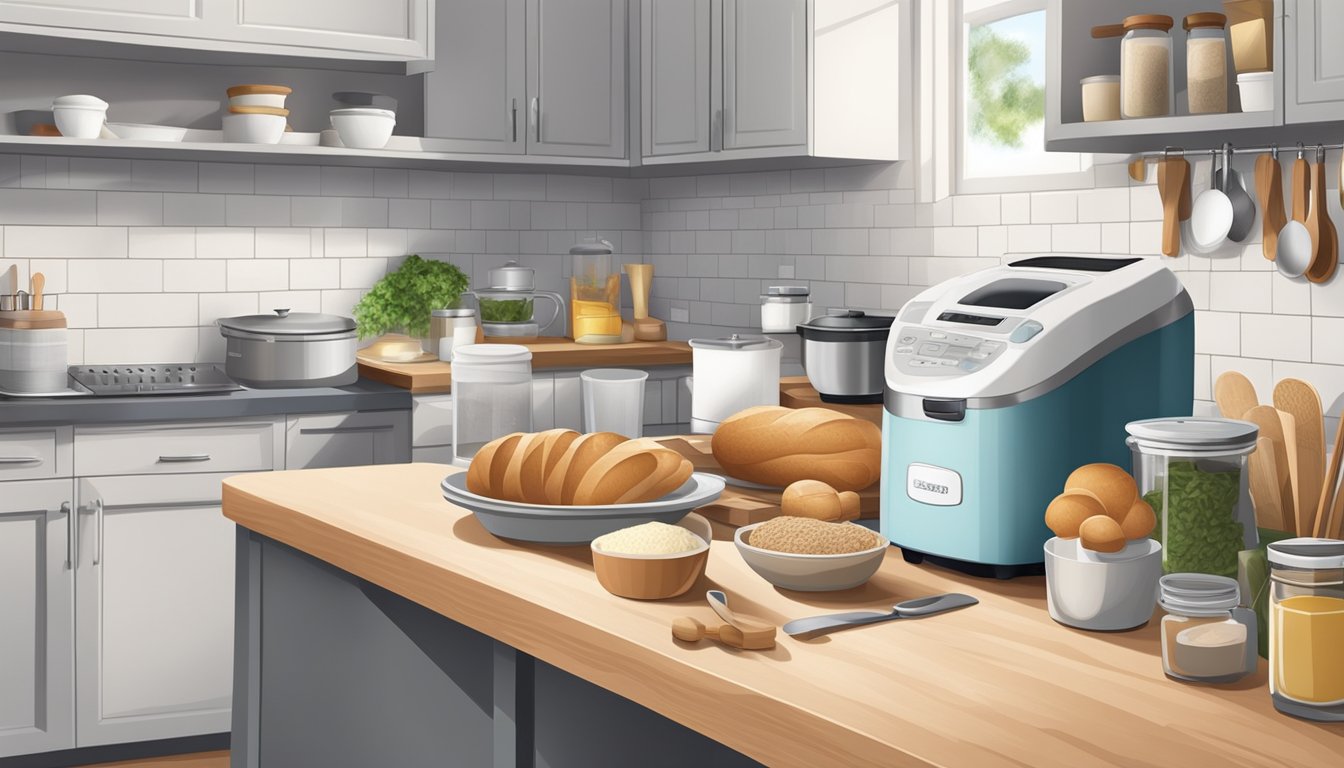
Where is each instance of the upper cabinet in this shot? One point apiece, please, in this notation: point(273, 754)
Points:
point(1314, 62)
point(387, 30)
point(535, 77)
point(725, 79)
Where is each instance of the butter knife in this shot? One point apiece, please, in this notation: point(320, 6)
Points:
point(910, 609)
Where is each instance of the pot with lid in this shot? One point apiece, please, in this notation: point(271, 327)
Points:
point(843, 355)
point(730, 375)
point(507, 306)
point(290, 349)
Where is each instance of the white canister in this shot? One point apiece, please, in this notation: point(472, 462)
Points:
point(784, 308)
point(492, 395)
point(449, 329)
point(731, 375)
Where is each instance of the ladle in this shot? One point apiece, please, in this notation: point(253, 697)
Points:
point(1295, 247)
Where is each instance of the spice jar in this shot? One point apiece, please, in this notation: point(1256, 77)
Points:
point(1145, 64)
point(784, 308)
point(1206, 62)
point(1206, 636)
point(1101, 98)
point(1306, 628)
point(449, 328)
point(1193, 474)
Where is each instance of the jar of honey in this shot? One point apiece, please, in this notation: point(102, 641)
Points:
point(594, 295)
point(1306, 628)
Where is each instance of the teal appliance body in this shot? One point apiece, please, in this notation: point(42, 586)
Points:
point(1002, 382)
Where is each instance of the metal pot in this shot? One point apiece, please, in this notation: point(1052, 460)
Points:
point(843, 355)
point(302, 349)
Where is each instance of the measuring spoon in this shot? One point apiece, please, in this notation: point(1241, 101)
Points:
point(1243, 207)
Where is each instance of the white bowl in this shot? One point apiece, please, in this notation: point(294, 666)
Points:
point(1099, 591)
point(300, 139)
point(254, 129)
point(1257, 91)
point(811, 573)
point(363, 128)
point(79, 100)
point(276, 100)
point(143, 132)
point(77, 122)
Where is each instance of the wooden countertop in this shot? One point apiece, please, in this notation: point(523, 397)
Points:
point(547, 352)
point(798, 392)
point(995, 684)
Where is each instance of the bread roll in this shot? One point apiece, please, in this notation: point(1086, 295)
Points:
point(581, 455)
point(557, 442)
point(811, 498)
point(779, 446)
point(632, 472)
point(485, 475)
point(523, 478)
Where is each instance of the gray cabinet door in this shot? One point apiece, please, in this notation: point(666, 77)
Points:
point(764, 73)
point(153, 608)
point(398, 28)
point(149, 17)
point(476, 95)
point(37, 660)
point(674, 68)
point(1314, 62)
point(576, 78)
point(347, 439)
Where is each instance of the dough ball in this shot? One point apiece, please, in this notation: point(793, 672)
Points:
point(1139, 521)
point(811, 498)
point(1068, 510)
point(1100, 533)
point(1113, 485)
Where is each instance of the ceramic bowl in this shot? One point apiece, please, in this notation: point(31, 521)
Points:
point(811, 573)
point(273, 100)
point(363, 128)
point(253, 129)
point(1098, 591)
point(144, 132)
point(79, 116)
point(654, 577)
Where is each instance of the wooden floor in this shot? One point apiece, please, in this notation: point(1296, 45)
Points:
point(197, 760)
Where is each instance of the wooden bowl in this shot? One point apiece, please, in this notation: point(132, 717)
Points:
point(655, 577)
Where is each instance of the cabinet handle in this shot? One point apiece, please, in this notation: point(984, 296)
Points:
point(20, 459)
point(344, 430)
point(98, 519)
point(163, 505)
point(186, 457)
point(536, 118)
point(513, 120)
point(716, 132)
point(71, 524)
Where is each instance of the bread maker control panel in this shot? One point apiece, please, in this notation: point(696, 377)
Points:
point(931, 352)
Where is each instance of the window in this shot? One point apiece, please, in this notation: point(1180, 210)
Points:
point(1001, 104)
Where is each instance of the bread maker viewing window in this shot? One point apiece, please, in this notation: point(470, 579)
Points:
point(1012, 293)
point(1075, 263)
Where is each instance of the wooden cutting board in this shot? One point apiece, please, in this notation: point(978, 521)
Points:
point(745, 506)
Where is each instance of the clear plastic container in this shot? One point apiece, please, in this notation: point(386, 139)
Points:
point(1206, 636)
point(1146, 67)
point(784, 308)
point(1193, 473)
point(1306, 628)
point(594, 295)
point(1206, 63)
point(1101, 98)
point(492, 395)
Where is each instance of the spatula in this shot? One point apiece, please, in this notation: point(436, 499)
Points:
point(1271, 425)
point(1324, 238)
point(39, 285)
point(1173, 174)
point(1300, 399)
point(1304, 518)
point(1265, 486)
point(1327, 514)
point(1235, 394)
point(1269, 194)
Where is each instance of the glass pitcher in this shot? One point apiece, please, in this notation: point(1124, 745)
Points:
point(508, 307)
point(594, 295)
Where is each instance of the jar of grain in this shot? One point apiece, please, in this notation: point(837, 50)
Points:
point(1206, 637)
point(1306, 628)
point(1206, 62)
point(1101, 98)
point(1145, 64)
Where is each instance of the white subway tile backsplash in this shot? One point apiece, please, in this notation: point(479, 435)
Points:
point(251, 275)
point(103, 346)
point(1241, 291)
point(363, 212)
point(25, 242)
point(194, 276)
point(1218, 333)
point(284, 243)
point(163, 176)
point(139, 209)
point(391, 182)
point(226, 178)
point(47, 206)
point(161, 242)
point(1076, 238)
point(257, 210)
point(314, 274)
point(315, 211)
point(1016, 208)
point(346, 182)
point(288, 179)
point(195, 210)
point(1054, 207)
point(974, 210)
point(346, 243)
point(225, 243)
point(114, 276)
point(362, 273)
point(1276, 337)
point(1104, 205)
point(146, 310)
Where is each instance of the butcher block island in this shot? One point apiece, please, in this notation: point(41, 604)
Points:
point(380, 625)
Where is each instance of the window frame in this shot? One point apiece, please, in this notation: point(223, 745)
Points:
point(963, 185)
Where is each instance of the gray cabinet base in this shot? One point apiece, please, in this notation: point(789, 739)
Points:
point(334, 671)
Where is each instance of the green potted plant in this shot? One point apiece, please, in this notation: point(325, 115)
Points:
point(402, 300)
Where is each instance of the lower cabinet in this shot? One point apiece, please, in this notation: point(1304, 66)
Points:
point(153, 608)
point(37, 712)
point(347, 439)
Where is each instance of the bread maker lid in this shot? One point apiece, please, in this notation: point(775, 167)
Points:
point(1193, 434)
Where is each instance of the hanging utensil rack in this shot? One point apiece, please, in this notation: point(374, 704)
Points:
point(1182, 152)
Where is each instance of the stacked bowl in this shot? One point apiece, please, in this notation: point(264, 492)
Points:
point(257, 114)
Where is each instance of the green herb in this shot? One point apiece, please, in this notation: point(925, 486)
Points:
point(506, 310)
point(403, 299)
point(1197, 522)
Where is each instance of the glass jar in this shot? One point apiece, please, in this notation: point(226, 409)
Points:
point(507, 308)
point(594, 295)
point(449, 328)
point(1206, 636)
point(784, 308)
point(1193, 474)
point(1146, 67)
point(492, 395)
point(1101, 98)
point(1206, 63)
point(1306, 628)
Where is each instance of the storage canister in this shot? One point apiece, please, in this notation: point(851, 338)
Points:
point(33, 351)
point(1206, 636)
point(730, 375)
point(1206, 62)
point(492, 395)
point(785, 307)
point(449, 328)
point(1251, 23)
point(1192, 472)
point(1145, 64)
point(1306, 628)
point(1101, 98)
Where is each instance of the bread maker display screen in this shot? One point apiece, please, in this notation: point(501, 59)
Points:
point(1012, 293)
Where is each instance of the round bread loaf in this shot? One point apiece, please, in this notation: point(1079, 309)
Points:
point(779, 446)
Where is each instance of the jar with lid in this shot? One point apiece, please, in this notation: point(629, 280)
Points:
point(1306, 628)
point(492, 395)
point(1206, 636)
point(1192, 472)
point(1206, 62)
point(449, 328)
point(1145, 64)
point(594, 295)
point(507, 306)
point(785, 307)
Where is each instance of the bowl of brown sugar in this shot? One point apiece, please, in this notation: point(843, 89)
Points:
point(809, 555)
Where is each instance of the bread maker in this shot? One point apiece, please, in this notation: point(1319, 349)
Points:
point(1001, 382)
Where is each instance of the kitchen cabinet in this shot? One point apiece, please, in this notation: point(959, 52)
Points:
point(390, 30)
point(764, 73)
point(168, 448)
point(535, 77)
point(37, 711)
point(31, 454)
point(347, 439)
point(675, 85)
point(153, 608)
point(1313, 62)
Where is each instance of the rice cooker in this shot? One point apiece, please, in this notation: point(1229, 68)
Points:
point(730, 375)
point(1002, 382)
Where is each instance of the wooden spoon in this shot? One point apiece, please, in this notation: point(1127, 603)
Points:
point(1324, 240)
point(39, 284)
point(1264, 486)
point(1138, 169)
point(1304, 518)
point(1235, 394)
point(1271, 424)
point(1300, 400)
point(1173, 175)
point(1269, 196)
point(1327, 514)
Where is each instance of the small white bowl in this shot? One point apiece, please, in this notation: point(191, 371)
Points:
point(275, 100)
point(297, 138)
point(144, 132)
point(363, 128)
point(79, 100)
point(1100, 591)
point(79, 116)
point(811, 573)
point(253, 129)
point(1257, 91)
